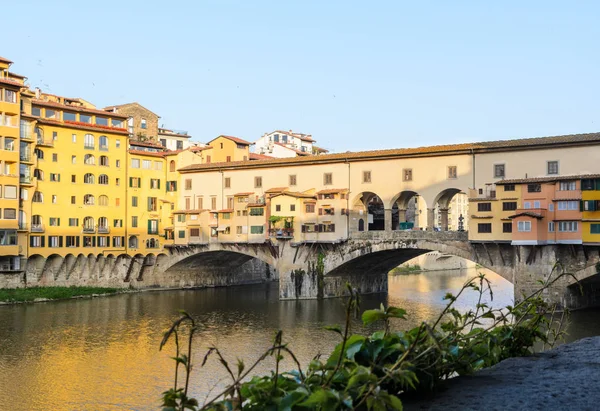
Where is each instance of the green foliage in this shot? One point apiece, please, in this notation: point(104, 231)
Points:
point(374, 372)
point(50, 293)
point(406, 269)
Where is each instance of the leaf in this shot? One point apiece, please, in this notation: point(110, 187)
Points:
point(334, 328)
point(370, 316)
point(319, 397)
point(353, 345)
point(396, 312)
point(395, 402)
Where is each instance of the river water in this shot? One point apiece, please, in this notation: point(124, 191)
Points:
point(102, 354)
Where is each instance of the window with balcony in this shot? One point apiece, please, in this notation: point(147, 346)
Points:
point(89, 199)
point(84, 118)
point(10, 96)
point(102, 121)
point(9, 144)
point(89, 159)
point(68, 116)
point(39, 154)
point(88, 141)
point(103, 143)
point(89, 178)
point(116, 123)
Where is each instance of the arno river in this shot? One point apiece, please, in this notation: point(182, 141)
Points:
point(102, 354)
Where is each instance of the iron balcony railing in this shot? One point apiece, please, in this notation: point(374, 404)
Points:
point(103, 230)
point(37, 228)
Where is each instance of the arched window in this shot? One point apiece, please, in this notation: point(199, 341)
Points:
point(89, 178)
point(104, 161)
point(152, 243)
point(89, 159)
point(102, 179)
point(36, 223)
point(88, 141)
point(89, 199)
point(172, 166)
point(361, 225)
point(103, 200)
point(39, 174)
point(133, 242)
point(103, 143)
point(38, 197)
point(39, 153)
point(39, 133)
point(88, 225)
point(102, 222)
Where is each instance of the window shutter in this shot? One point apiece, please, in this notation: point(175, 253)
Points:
point(58, 222)
point(320, 211)
point(581, 206)
point(122, 241)
point(149, 226)
point(60, 241)
point(93, 241)
point(43, 241)
point(30, 241)
point(130, 181)
point(332, 227)
point(159, 184)
point(332, 211)
point(77, 241)
point(320, 196)
point(303, 228)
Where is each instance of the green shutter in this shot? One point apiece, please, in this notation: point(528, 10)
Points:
point(581, 207)
point(60, 241)
point(159, 184)
point(130, 181)
point(58, 222)
point(149, 226)
point(77, 241)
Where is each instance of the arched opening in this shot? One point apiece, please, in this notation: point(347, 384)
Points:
point(88, 141)
point(89, 159)
point(133, 242)
point(369, 207)
point(450, 210)
point(103, 200)
point(221, 268)
point(361, 224)
point(88, 224)
point(37, 224)
point(104, 161)
point(89, 178)
point(103, 179)
point(406, 211)
point(103, 143)
point(89, 199)
point(172, 166)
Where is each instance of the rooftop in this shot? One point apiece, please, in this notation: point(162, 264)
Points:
point(547, 179)
point(449, 149)
point(234, 139)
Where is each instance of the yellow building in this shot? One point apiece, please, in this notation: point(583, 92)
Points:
point(489, 212)
point(590, 206)
point(78, 188)
point(226, 149)
point(11, 249)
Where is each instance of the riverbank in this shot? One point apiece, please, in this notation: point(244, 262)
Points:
point(566, 377)
point(40, 294)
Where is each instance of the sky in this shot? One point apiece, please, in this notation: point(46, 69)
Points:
point(357, 75)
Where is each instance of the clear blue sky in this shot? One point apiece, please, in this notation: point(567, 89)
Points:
point(355, 74)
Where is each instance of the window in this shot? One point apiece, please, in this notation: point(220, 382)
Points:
point(551, 207)
point(103, 142)
point(534, 188)
point(257, 229)
point(226, 216)
point(207, 159)
point(67, 116)
point(134, 201)
point(507, 227)
point(116, 123)
point(509, 187)
point(54, 199)
point(89, 159)
point(10, 96)
point(39, 154)
point(292, 179)
point(499, 171)
point(10, 192)
point(135, 182)
point(152, 226)
point(227, 182)
point(537, 204)
point(9, 144)
point(238, 229)
point(89, 199)
point(134, 221)
point(133, 242)
point(8, 237)
point(37, 197)
point(327, 179)
point(194, 232)
point(39, 174)
point(154, 183)
point(89, 179)
point(509, 206)
point(179, 145)
point(257, 182)
point(85, 118)
point(73, 222)
point(551, 227)
point(328, 228)
point(188, 183)
point(200, 203)
point(118, 143)
point(257, 211)
point(36, 241)
point(589, 184)
point(366, 176)
point(144, 125)
point(309, 228)
point(103, 179)
point(73, 201)
point(452, 172)
point(292, 207)
point(172, 166)
point(567, 226)
point(103, 241)
point(213, 203)
point(527, 205)
point(310, 208)
point(118, 223)
point(74, 138)
point(484, 228)
point(118, 241)
point(11, 214)
point(152, 204)
point(171, 186)
point(407, 174)
point(72, 241)
point(55, 177)
point(567, 186)
point(158, 165)
point(278, 207)
point(552, 167)
point(594, 228)
point(228, 159)
point(54, 157)
point(54, 221)
point(568, 205)
point(484, 207)
point(591, 205)
point(54, 241)
point(103, 200)
point(73, 159)
point(36, 111)
point(117, 163)
point(181, 234)
point(146, 164)
point(135, 163)
point(524, 226)
point(88, 141)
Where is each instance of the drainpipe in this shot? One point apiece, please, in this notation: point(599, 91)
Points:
point(222, 188)
point(473, 167)
point(348, 204)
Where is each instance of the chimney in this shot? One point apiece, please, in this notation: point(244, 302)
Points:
point(37, 92)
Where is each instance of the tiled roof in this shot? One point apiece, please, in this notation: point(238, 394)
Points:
point(234, 139)
point(166, 132)
point(82, 126)
point(10, 82)
point(135, 103)
point(10, 73)
point(450, 149)
point(295, 194)
point(300, 153)
point(276, 190)
point(196, 149)
point(547, 179)
point(256, 156)
point(145, 144)
point(75, 108)
point(527, 214)
point(226, 210)
point(305, 137)
point(333, 191)
point(147, 153)
point(243, 194)
point(5, 60)
point(256, 205)
point(320, 149)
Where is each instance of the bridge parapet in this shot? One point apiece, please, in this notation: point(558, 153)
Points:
point(434, 236)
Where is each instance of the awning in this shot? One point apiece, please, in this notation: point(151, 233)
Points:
point(222, 227)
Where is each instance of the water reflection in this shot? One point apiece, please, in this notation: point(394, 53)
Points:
point(102, 354)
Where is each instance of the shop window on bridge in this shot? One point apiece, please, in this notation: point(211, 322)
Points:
point(568, 186)
point(103, 241)
point(591, 205)
point(257, 211)
point(152, 243)
point(327, 211)
point(118, 241)
point(589, 184)
point(509, 187)
point(484, 228)
point(534, 188)
point(507, 227)
point(257, 229)
point(594, 228)
point(194, 232)
point(484, 207)
point(568, 226)
point(72, 241)
point(133, 242)
point(8, 237)
point(524, 226)
point(309, 228)
point(328, 227)
point(509, 206)
point(181, 233)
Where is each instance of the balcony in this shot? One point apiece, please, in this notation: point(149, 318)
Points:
point(22, 226)
point(28, 136)
point(281, 232)
point(37, 228)
point(26, 180)
point(103, 230)
point(89, 230)
point(25, 157)
point(45, 143)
